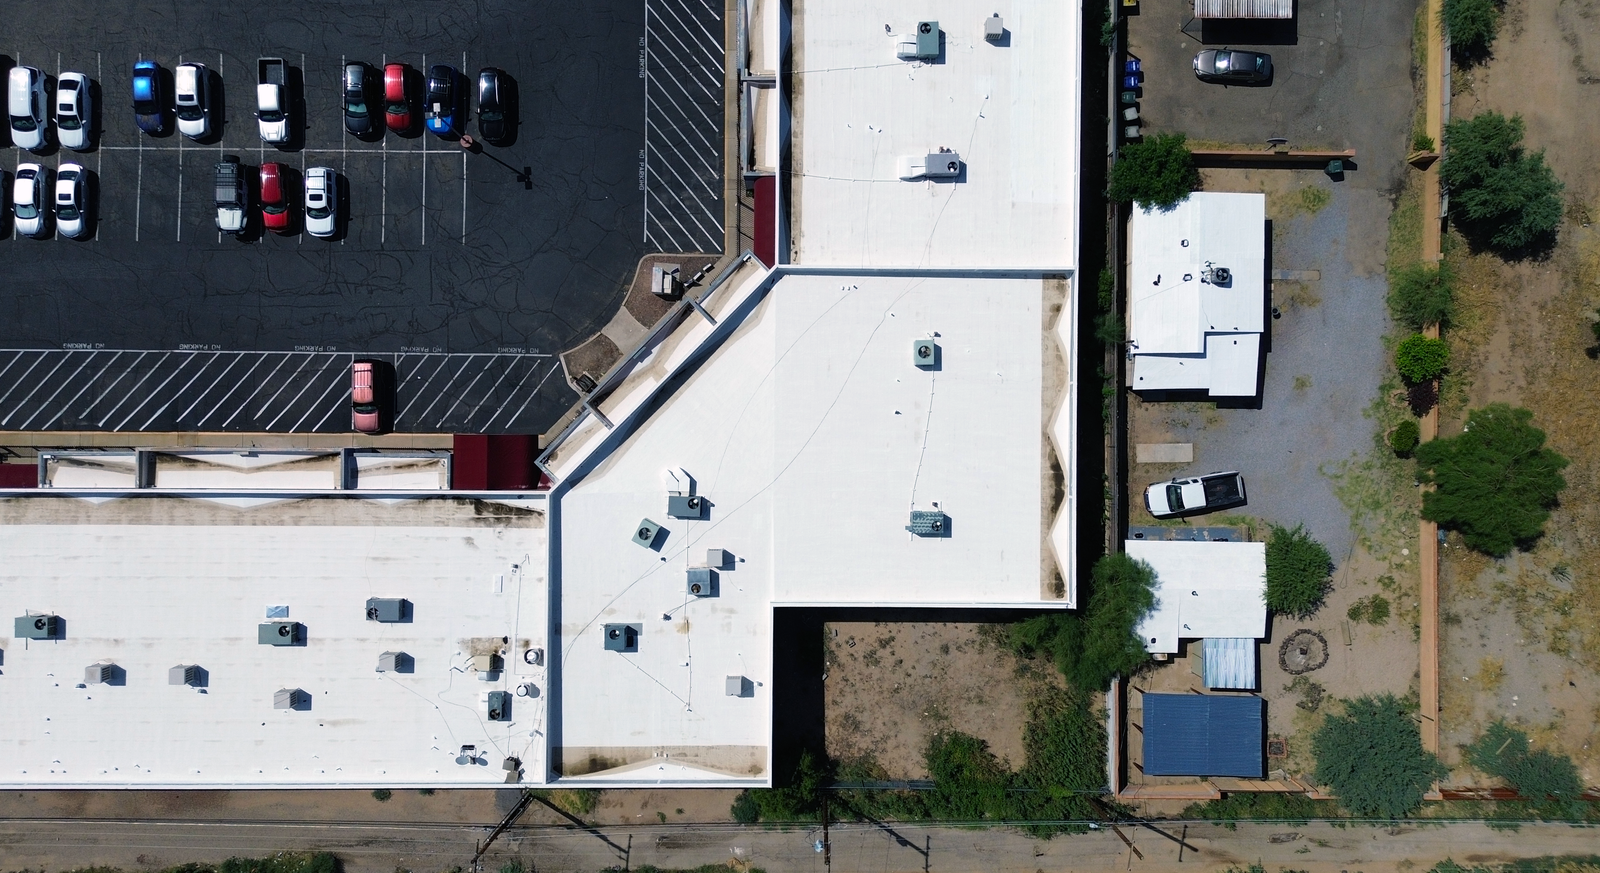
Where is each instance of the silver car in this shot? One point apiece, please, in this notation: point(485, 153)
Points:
point(30, 200)
point(191, 94)
point(71, 201)
point(1233, 67)
point(29, 108)
point(74, 111)
point(322, 201)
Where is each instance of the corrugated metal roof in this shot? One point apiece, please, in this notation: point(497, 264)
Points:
point(1243, 8)
point(1230, 663)
point(1204, 735)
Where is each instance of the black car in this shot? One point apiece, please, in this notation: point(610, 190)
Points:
point(357, 114)
point(1233, 67)
point(439, 101)
point(494, 123)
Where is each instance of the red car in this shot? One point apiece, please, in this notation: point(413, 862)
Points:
point(396, 106)
point(365, 412)
point(274, 198)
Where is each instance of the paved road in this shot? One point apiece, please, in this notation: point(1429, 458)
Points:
point(63, 844)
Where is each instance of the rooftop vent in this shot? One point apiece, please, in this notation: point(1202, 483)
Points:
point(395, 662)
point(686, 506)
point(929, 524)
point(622, 637)
point(923, 45)
point(740, 686)
point(184, 674)
point(291, 698)
point(702, 582)
point(994, 28)
point(487, 665)
point(1219, 276)
point(719, 559)
point(499, 706)
point(281, 633)
point(99, 673)
point(647, 533)
point(388, 609)
point(925, 354)
point(38, 627)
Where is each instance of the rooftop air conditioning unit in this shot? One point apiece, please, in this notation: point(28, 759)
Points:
point(487, 665)
point(499, 706)
point(925, 354)
point(740, 686)
point(691, 506)
point(290, 698)
point(622, 637)
point(388, 609)
point(99, 674)
point(394, 662)
point(646, 533)
point(184, 674)
point(994, 28)
point(942, 164)
point(1219, 276)
point(719, 559)
point(666, 281)
point(37, 627)
point(923, 45)
point(280, 633)
point(702, 582)
point(929, 524)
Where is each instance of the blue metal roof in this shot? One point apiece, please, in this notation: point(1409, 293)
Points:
point(1204, 735)
point(1230, 663)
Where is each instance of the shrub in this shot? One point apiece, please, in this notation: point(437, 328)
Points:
point(1373, 610)
point(1422, 397)
point(1421, 142)
point(382, 795)
point(1108, 328)
point(1298, 568)
point(1495, 482)
point(1106, 289)
point(1472, 25)
point(1501, 198)
point(1098, 642)
point(1422, 295)
point(1404, 438)
point(1372, 758)
point(1158, 173)
point(796, 796)
point(1549, 779)
point(1421, 359)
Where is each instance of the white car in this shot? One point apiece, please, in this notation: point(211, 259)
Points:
point(191, 92)
point(322, 201)
point(30, 199)
point(71, 203)
point(28, 107)
point(74, 111)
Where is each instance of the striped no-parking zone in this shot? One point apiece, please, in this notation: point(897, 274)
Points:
point(273, 392)
point(681, 61)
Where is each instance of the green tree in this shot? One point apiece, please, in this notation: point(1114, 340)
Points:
point(1158, 173)
point(1495, 482)
point(1372, 758)
point(1421, 295)
point(796, 796)
point(1501, 197)
point(1472, 26)
point(1098, 642)
point(1421, 359)
point(1548, 779)
point(1298, 571)
point(1405, 437)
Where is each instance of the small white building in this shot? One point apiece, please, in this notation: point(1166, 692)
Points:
point(1197, 295)
point(1203, 590)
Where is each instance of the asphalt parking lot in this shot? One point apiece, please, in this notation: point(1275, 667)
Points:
point(470, 269)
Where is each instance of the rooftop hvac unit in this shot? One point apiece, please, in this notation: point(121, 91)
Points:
point(942, 164)
point(740, 686)
point(929, 524)
point(99, 674)
point(666, 281)
point(690, 506)
point(290, 698)
point(38, 627)
point(719, 559)
point(923, 45)
point(622, 637)
point(925, 354)
point(388, 609)
point(184, 674)
point(486, 665)
point(1219, 276)
point(395, 662)
point(702, 582)
point(994, 28)
point(281, 633)
point(499, 706)
point(647, 533)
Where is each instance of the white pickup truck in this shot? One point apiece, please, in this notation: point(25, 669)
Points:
point(272, 100)
point(1195, 495)
point(230, 195)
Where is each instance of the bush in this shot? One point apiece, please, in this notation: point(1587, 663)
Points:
point(1422, 397)
point(1422, 295)
point(1501, 198)
point(797, 795)
point(1549, 779)
point(382, 795)
point(1404, 438)
point(1421, 142)
point(1421, 359)
point(1298, 568)
point(1158, 173)
point(1372, 758)
point(1472, 25)
point(1373, 610)
point(1246, 805)
point(1495, 482)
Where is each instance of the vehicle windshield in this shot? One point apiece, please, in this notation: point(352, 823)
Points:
point(66, 121)
point(491, 115)
point(68, 211)
point(273, 208)
point(1174, 498)
point(24, 123)
point(190, 111)
point(319, 211)
point(398, 108)
point(26, 208)
point(355, 105)
point(272, 116)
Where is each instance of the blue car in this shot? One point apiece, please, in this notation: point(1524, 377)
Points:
point(440, 102)
point(148, 107)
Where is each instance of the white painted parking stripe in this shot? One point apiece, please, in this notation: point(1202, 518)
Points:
point(113, 385)
point(23, 379)
point(295, 375)
point(86, 386)
point(62, 387)
point(155, 393)
point(36, 386)
point(443, 359)
point(532, 394)
point(333, 386)
point(220, 376)
point(176, 394)
point(240, 383)
point(134, 390)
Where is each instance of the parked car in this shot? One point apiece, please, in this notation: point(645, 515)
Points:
point(368, 395)
point(322, 201)
point(1195, 495)
point(149, 107)
point(230, 196)
point(396, 106)
point(274, 198)
point(30, 200)
point(357, 117)
point(72, 204)
point(441, 109)
point(74, 110)
point(1233, 67)
point(493, 121)
point(191, 92)
point(29, 108)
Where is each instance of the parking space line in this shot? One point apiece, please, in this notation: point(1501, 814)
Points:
point(157, 392)
point(465, 101)
point(114, 383)
point(59, 389)
point(142, 379)
point(99, 153)
point(383, 209)
point(310, 356)
point(292, 401)
point(179, 393)
point(710, 52)
point(443, 359)
point(338, 381)
point(300, 238)
point(37, 385)
point(464, 392)
point(532, 394)
point(86, 387)
point(344, 145)
point(180, 174)
point(229, 393)
point(24, 376)
point(424, 212)
point(201, 396)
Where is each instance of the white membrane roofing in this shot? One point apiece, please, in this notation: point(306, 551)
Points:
point(1203, 589)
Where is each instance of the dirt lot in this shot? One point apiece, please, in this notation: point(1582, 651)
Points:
point(1521, 637)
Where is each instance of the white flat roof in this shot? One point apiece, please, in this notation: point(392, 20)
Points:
point(1186, 333)
point(1009, 110)
point(153, 582)
point(1203, 589)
